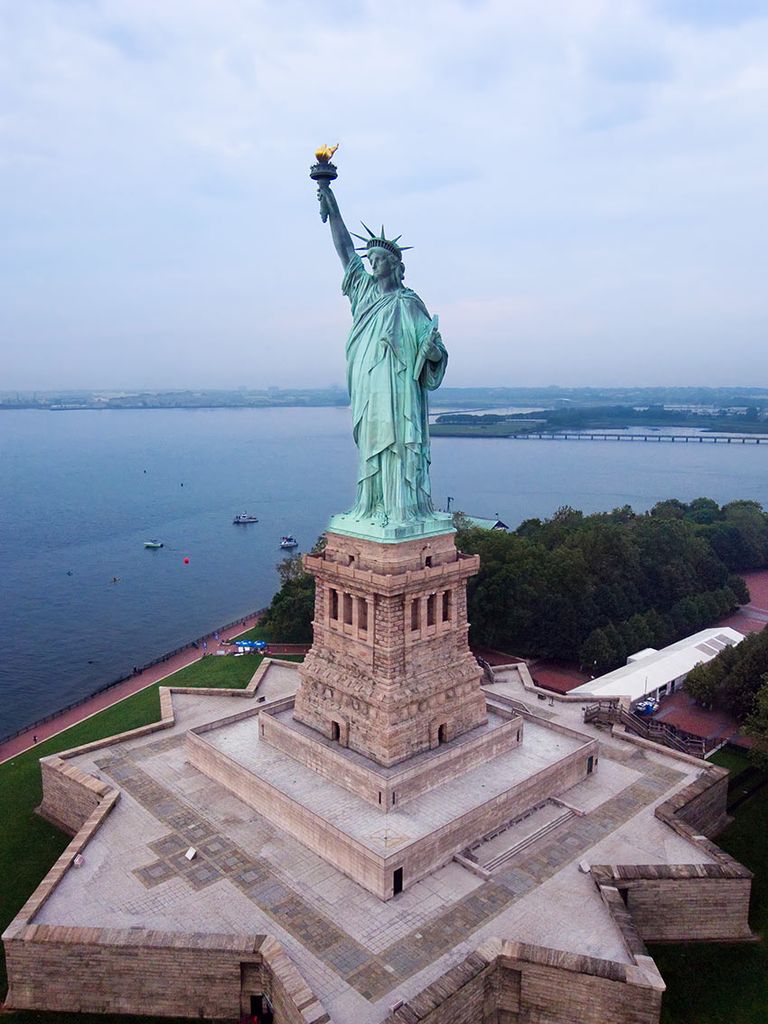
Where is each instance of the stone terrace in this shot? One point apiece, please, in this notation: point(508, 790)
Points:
point(358, 954)
point(401, 826)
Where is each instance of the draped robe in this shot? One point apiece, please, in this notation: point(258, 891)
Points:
point(394, 357)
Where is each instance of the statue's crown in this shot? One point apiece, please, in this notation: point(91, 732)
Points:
point(381, 242)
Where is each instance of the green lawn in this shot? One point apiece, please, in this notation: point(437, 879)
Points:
point(257, 633)
point(29, 845)
point(734, 760)
point(717, 983)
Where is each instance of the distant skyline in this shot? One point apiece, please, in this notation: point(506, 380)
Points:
point(583, 182)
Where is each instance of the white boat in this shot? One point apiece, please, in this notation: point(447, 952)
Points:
point(153, 544)
point(244, 518)
point(288, 542)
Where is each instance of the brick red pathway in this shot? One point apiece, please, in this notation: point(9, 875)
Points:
point(752, 617)
point(127, 688)
point(495, 657)
point(554, 675)
point(680, 710)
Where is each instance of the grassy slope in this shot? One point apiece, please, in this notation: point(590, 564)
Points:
point(718, 983)
point(257, 633)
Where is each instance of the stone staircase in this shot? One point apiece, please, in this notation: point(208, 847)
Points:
point(470, 857)
point(608, 712)
point(523, 844)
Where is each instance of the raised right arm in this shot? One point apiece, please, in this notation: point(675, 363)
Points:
point(329, 210)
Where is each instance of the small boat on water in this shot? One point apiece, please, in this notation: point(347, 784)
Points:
point(153, 544)
point(244, 518)
point(288, 542)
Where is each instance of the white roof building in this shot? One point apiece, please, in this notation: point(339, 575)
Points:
point(654, 673)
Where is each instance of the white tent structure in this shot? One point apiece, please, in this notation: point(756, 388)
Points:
point(652, 673)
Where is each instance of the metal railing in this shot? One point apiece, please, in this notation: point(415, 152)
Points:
point(609, 712)
point(128, 675)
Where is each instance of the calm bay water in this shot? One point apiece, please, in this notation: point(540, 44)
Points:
point(81, 491)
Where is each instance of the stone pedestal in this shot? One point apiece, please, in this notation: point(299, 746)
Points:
point(390, 673)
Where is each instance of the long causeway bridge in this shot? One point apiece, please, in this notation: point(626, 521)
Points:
point(591, 435)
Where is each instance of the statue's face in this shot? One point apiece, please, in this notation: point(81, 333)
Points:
point(383, 264)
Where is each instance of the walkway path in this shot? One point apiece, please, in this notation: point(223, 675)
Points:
point(37, 733)
point(752, 617)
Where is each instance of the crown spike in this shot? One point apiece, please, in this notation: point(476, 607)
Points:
point(379, 242)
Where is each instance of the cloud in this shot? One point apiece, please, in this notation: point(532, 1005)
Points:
point(557, 167)
point(708, 14)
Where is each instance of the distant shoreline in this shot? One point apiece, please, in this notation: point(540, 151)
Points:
point(688, 400)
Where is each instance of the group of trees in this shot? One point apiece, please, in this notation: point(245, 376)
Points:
point(588, 588)
point(596, 588)
point(732, 679)
point(602, 417)
point(737, 681)
point(289, 616)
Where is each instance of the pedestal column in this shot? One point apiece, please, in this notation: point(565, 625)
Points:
point(407, 681)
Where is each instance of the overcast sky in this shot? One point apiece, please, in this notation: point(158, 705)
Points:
point(584, 183)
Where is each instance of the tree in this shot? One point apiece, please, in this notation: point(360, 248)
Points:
point(289, 616)
point(545, 588)
point(732, 679)
point(739, 589)
point(597, 655)
point(669, 509)
point(703, 510)
point(756, 725)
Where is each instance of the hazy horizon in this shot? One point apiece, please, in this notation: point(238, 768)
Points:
point(583, 184)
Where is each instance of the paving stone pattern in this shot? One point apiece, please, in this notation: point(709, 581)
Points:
point(372, 970)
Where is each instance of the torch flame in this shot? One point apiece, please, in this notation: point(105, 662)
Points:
point(324, 153)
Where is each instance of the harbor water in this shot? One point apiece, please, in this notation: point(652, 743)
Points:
point(82, 600)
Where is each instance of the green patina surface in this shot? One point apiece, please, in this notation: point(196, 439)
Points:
point(395, 356)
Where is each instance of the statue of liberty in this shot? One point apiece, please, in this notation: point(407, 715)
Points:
point(395, 355)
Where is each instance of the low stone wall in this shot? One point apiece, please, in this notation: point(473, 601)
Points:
point(463, 995)
point(683, 907)
point(419, 857)
point(547, 986)
point(423, 856)
point(92, 970)
point(59, 968)
point(385, 788)
point(515, 983)
point(349, 856)
point(292, 999)
point(526, 680)
point(95, 970)
point(702, 804)
point(687, 902)
point(70, 795)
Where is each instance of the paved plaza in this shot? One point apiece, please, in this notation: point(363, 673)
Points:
point(358, 954)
